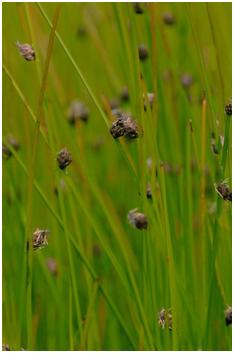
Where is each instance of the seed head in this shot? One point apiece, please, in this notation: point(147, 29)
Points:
point(168, 19)
point(137, 219)
point(52, 266)
point(150, 97)
point(228, 316)
point(224, 191)
point(40, 238)
point(228, 109)
point(124, 126)
point(6, 152)
point(5, 347)
point(149, 193)
point(77, 111)
point(186, 80)
point(143, 52)
point(165, 318)
point(64, 158)
point(138, 8)
point(26, 51)
point(124, 94)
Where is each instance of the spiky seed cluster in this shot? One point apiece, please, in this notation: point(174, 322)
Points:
point(168, 18)
point(137, 219)
point(124, 126)
point(143, 52)
point(228, 109)
point(165, 318)
point(6, 152)
point(138, 8)
point(228, 316)
point(26, 51)
point(64, 158)
point(224, 191)
point(77, 111)
point(40, 238)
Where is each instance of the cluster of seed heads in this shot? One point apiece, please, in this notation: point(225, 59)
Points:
point(64, 158)
point(77, 111)
point(137, 219)
point(39, 239)
point(224, 191)
point(125, 126)
point(165, 318)
point(26, 51)
point(228, 316)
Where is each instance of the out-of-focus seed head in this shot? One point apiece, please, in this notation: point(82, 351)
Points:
point(137, 219)
point(5, 347)
point(168, 18)
point(162, 315)
point(81, 31)
point(150, 98)
point(124, 126)
point(64, 158)
point(228, 109)
point(138, 8)
point(228, 316)
point(40, 238)
point(224, 191)
point(26, 51)
point(10, 140)
point(169, 319)
point(186, 80)
point(77, 111)
point(124, 95)
point(52, 266)
point(143, 52)
point(149, 193)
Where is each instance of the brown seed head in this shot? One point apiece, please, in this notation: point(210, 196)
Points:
point(228, 109)
point(5, 347)
point(124, 126)
point(137, 219)
point(168, 19)
point(228, 316)
point(224, 191)
point(124, 94)
point(162, 314)
point(77, 111)
point(64, 158)
point(143, 52)
point(6, 152)
point(149, 193)
point(40, 238)
point(138, 8)
point(186, 80)
point(52, 266)
point(26, 51)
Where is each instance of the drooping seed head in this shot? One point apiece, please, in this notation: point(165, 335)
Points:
point(143, 52)
point(168, 19)
point(64, 158)
point(228, 108)
point(137, 219)
point(228, 316)
point(138, 8)
point(26, 51)
point(77, 111)
point(40, 238)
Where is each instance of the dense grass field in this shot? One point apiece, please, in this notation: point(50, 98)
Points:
point(117, 202)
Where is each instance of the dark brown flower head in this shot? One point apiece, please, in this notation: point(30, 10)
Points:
point(137, 219)
point(64, 158)
point(77, 111)
point(228, 316)
point(10, 140)
point(138, 8)
point(228, 109)
point(124, 94)
point(224, 191)
point(124, 126)
point(26, 51)
point(186, 80)
point(5, 347)
point(52, 266)
point(40, 238)
point(168, 19)
point(143, 52)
